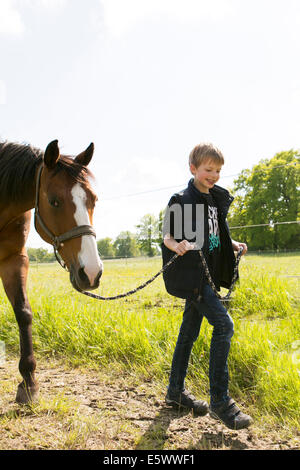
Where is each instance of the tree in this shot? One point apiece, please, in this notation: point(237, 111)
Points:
point(106, 248)
point(126, 245)
point(267, 194)
point(147, 234)
point(160, 223)
point(40, 255)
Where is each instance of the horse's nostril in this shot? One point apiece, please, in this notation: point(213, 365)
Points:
point(84, 280)
point(82, 276)
point(97, 279)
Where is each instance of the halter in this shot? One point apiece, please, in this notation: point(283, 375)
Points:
point(57, 241)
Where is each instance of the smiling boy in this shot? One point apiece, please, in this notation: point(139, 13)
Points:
point(186, 279)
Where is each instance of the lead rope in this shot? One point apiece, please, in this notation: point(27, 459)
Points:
point(164, 268)
point(225, 298)
point(119, 296)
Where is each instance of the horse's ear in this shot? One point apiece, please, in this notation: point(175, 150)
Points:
point(85, 157)
point(51, 155)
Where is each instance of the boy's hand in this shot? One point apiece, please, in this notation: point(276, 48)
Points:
point(180, 248)
point(237, 246)
point(183, 247)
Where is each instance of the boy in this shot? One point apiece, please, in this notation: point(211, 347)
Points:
point(186, 279)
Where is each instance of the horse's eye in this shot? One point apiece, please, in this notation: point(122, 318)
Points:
point(54, 202)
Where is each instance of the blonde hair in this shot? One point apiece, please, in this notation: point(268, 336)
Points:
point(205, 151)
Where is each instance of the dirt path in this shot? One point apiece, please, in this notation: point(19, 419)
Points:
point(87, 409)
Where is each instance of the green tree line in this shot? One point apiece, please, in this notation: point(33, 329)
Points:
point(266, 197)
point(40, 255)
point(268, 194)
point(145, 242)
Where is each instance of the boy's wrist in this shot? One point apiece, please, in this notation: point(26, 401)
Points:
point(237, 246)
point(178, 247)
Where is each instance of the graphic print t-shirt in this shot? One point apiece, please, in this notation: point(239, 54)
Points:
point(212, 237)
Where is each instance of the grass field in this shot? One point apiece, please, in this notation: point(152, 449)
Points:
point(139, 332)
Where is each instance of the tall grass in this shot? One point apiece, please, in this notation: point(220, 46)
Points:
point(139, 332)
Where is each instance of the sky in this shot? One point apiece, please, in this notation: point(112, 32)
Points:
point(146, 81)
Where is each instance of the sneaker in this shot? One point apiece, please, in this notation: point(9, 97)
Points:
point(231, 415)
point(187, 400)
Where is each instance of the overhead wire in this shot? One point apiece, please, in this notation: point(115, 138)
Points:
point(121, 196)
point(270, 224)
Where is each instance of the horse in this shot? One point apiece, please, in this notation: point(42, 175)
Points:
point(59, 188)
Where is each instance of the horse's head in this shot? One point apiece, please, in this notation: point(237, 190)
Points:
point(64, 209)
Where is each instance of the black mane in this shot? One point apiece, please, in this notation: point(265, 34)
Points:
point(18, 164)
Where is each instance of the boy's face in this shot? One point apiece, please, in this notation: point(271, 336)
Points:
point(206, 175)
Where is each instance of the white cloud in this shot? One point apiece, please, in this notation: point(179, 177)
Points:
point(2, 92)
point(141, 186)
point(10, 18)
point(121, 16)
point(145, 174)
point(47, 3)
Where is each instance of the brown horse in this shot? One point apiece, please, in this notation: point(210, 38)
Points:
point(59, 189)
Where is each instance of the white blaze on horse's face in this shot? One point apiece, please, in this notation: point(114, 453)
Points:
point(88, 255)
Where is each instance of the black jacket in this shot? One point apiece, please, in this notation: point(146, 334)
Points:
point(184, 278)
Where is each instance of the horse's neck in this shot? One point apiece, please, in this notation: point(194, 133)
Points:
point(12, 211)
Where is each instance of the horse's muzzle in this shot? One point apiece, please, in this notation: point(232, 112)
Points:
point(80, 280)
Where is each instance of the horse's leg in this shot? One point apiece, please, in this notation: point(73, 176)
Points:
point(14, 276)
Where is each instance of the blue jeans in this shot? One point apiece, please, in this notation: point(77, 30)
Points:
point(208, 306)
